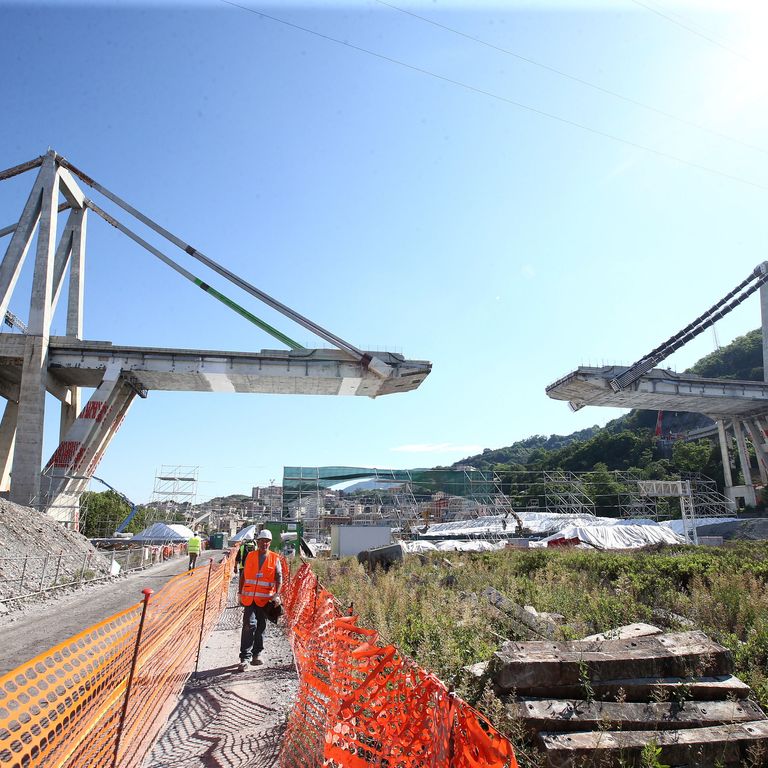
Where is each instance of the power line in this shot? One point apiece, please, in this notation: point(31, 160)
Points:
point(573, 78)
point(504, 99)
point(691, 30)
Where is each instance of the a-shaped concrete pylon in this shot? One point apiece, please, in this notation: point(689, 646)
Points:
point(34, 362)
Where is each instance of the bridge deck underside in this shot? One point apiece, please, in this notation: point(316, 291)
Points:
point(664, 391)
point(308, 371)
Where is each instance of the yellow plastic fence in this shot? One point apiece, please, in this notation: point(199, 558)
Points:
point(361, 704)
point(101, 697)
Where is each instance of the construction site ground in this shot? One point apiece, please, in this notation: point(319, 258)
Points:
point(37, 624)
point(226, 717)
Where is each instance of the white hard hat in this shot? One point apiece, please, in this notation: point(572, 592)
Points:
point(264, 534)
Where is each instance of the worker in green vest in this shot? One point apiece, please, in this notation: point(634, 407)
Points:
point(193, 550)
point(248, 546)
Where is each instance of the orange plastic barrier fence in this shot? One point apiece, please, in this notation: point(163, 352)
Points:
point(101, 697)
point(362, 704)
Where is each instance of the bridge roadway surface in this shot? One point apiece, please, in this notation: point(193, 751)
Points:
point(664, 390)
point(42, 624)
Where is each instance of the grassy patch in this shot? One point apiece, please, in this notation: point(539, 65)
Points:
point(433, 610)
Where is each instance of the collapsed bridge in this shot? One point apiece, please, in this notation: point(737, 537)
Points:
point(738, 408)
point(33, 362)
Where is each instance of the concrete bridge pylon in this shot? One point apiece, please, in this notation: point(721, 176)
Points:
point(34, 363)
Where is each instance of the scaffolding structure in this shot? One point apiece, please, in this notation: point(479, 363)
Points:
point(634, 504)
point(406, 499)
point(410, 500)
point(174, 492)
point(565, 493)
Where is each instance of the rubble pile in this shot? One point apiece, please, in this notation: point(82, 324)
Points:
point(26, 534)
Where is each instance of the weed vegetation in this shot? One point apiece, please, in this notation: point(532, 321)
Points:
point(432, 607)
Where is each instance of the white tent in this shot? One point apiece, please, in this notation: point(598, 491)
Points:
point(163, 533)
point(249, 532)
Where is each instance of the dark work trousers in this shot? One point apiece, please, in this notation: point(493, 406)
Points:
point(251, 637)
point(192, 560)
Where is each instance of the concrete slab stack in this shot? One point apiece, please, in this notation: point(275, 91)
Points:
point(606, 700)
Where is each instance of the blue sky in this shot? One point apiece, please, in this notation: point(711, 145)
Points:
point(442, 198)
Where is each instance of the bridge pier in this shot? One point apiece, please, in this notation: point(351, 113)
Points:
point(21, 430)
point(28, 454)
point(36, 363)
point(28, 451)
point(7, 443)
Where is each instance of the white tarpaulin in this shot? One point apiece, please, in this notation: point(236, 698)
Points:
point(533, 522)
point(418, 547)
point(249, 532)
point(164, 532)
point(625, 536)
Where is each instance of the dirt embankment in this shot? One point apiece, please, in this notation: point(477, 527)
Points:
point(28, 534)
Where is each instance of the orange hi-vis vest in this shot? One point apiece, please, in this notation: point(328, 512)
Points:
point(259, 586)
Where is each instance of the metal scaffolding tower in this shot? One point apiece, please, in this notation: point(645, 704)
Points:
point(565, 493)
point(175, 491)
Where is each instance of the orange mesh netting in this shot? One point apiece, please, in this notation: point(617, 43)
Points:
point(67, 706)
point(361, 704)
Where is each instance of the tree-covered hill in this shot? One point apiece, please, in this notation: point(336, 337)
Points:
point(521, 451)
point(742, 359)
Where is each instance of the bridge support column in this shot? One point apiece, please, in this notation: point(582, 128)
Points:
point(69, 411)
point(746, 491)
point(16, 253)
point(725, 454)
point(75, 460)
point(28, 455)
point(21, 431)
point(744, 460)
point(757, 438)
point(7, 441)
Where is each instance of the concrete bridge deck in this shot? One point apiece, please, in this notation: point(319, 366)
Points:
point(302, 371)
point(663, 390)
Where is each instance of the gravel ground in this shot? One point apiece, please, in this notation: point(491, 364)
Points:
point(227, 718)
point(25, 532)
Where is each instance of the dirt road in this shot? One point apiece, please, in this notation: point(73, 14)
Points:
point(226, 718)
point(41, 625)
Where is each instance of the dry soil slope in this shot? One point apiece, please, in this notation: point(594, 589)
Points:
point(25, 532)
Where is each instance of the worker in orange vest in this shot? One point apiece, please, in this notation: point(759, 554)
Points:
point(262, 579)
